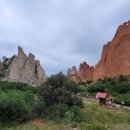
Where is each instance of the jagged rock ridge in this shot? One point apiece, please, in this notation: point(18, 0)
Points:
point(115, 58)
point(25, 69)
point(84, 74)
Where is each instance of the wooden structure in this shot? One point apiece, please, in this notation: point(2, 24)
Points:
point(102, 97)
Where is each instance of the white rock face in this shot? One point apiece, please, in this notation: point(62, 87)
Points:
point(26, 69)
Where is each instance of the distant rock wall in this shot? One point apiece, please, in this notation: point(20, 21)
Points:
point(25, 69)
point(84, 73)
point(73, 74)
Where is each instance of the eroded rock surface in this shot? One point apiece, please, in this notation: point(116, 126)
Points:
point(115, 58)
point(85, 73)
point(25, 69)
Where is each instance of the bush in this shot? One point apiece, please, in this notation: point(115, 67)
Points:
point(38, 109)
point(13, 107)
point(122, 78)
point(56, 112)
point(123, 97)
point(96, 88)
point(59, 95)
point(72, 86)
point(57, 90)
point(121, 88)
point(6, 86)
point(74, 116)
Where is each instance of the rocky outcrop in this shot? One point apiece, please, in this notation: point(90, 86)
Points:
point(115, 58)
point(25, 69)
point(17, 66)
point(73, 74)
point(72, 71)
point(84, 74)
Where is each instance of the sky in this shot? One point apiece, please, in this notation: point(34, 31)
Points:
point(60, 33)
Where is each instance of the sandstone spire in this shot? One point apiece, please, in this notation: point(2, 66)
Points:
point(25, 69)
point(17, 66)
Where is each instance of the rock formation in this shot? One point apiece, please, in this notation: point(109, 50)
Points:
point(115, 58)
point(84, 74)
point(25, 69)
point(73, 74)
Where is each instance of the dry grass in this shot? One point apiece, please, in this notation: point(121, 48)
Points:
point(110, 118)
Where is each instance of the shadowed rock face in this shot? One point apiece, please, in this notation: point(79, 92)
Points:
point(115, 58)
point(25, 69)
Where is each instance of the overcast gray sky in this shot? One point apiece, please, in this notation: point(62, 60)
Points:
point(61, 33)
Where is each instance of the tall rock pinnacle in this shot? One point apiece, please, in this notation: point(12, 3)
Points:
point(25, 69)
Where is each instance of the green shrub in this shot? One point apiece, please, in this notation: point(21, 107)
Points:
point(57, 90)
point(72, 86)
point(121, 88)
point(98, 87)
point(122, 78)
point(6, 86)
point(56, 112)
point(74, 116)
point(13, 107)
point(38, 109)
point(123, 97)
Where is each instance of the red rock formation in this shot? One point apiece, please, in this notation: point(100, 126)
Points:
point(115, 58)
point(84, 74)
point(73, 74)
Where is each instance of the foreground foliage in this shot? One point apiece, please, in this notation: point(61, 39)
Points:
point(20, 102)
point(60, 96)
point(96, 118)
point(58, 89)
point(58, 106)
point(14, 107)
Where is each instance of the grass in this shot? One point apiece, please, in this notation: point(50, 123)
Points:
point(95, 115)
point(49, 125)
point(110, 118)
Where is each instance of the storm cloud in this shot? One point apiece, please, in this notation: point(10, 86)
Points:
point(61, 33)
